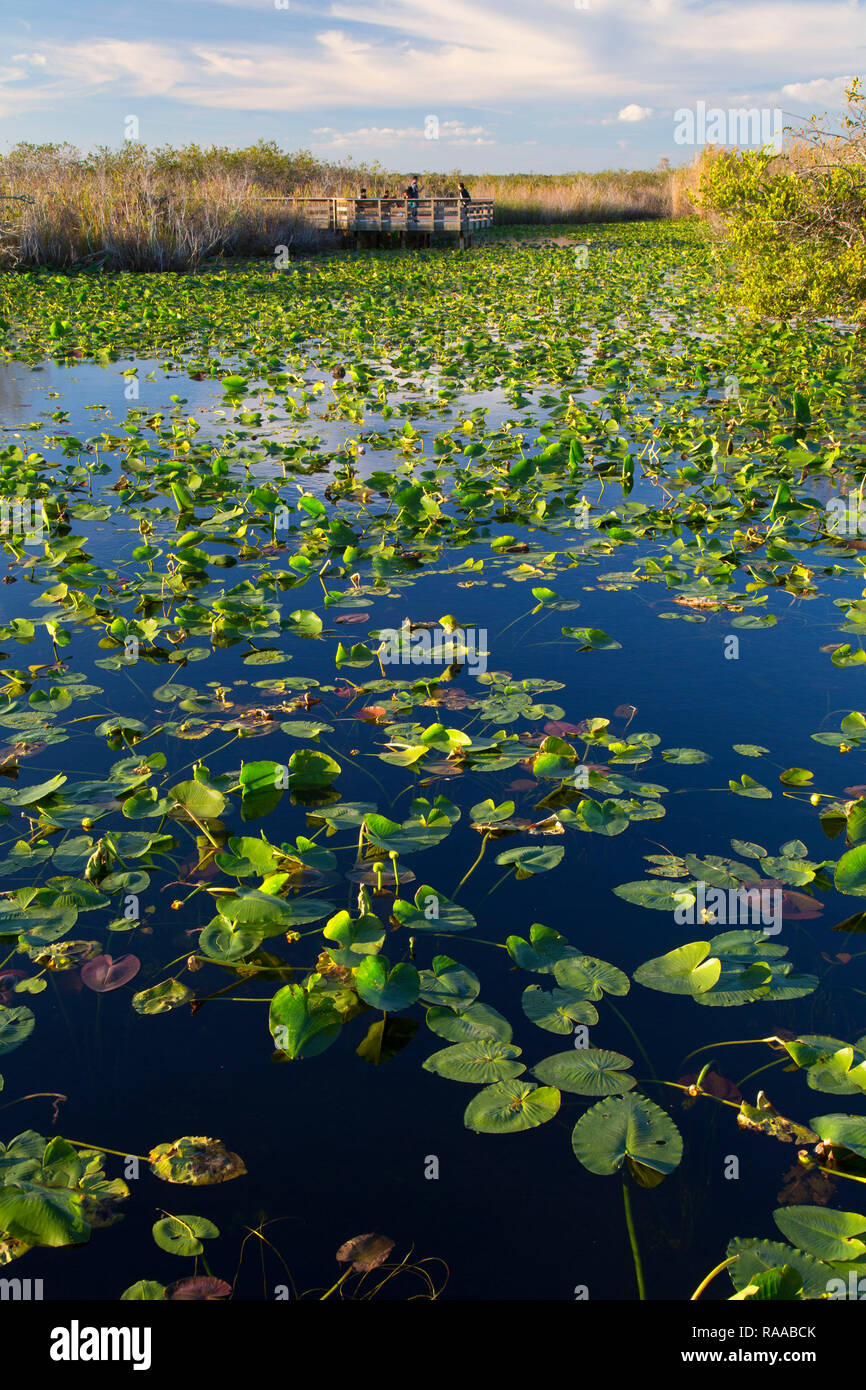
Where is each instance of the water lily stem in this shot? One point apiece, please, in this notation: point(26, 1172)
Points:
point(498, 884)
point(766, 1067)
point(334, 1287)
point(101, 1149)
point(731, 1042)
point(204, 830)
point(840, 1173)
point(622, 1018)
point(471, 870)
point(35, 1095)
point(709, 1095)
point(711, 1276)
point(632, 1236)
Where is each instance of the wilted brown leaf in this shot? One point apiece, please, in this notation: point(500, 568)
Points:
point(763, 1118)
point(365, 1252)
point(198, 1287)
point(196, 1161)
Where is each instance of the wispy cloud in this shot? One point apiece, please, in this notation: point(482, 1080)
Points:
point(449, 133)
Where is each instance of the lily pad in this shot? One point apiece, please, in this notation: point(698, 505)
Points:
point(629, 1128)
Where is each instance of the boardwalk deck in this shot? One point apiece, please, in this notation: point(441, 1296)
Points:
point(376, 221)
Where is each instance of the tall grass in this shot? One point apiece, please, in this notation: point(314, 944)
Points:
point(171, 209)
point(130, 211)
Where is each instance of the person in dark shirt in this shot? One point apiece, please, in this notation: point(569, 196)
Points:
point(465, 195)
point(412, 195)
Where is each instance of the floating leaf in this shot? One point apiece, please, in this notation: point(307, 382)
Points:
point(39, 1215)
point(850, 875)
point(103, 973)
point(628, 1127)
point(486, 1060)
point(195, 1161)
point(16, 1025)
point(199, 800)
point(591, 976)
point(844, 1131)
point(161, 998)
point(365, 1252)
point(508, 1107)
point(756, 1256)
point(826, 1234)
point(592, 639)
point(661, 894)
point(557, 1010)
point(432, 911)
point(531, 860)
point(448, 983)
point(302, 1024)
point(384, 988)
point(198, 1287)
point(475, 1023)
point(686, 970)
point(183, 1235)
point(145, 1290)
point(588, 1071)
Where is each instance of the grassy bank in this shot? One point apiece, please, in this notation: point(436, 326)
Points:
point(170, 209)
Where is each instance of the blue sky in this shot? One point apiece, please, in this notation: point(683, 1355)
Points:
point(515, 85)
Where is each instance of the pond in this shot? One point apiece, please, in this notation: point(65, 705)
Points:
point(411, 662)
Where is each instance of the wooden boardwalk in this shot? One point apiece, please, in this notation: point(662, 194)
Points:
point(409, 221)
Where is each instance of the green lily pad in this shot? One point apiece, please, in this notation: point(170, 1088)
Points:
point(449, 983)
point(587, 1071)
point(557, 1010)
point(16, 1025)
point(822, 1232)
point(386, 988)
point(476, 1061)
point(183, 1235)
point(509, 1107)
point(302, 1024)
point(627, 1127)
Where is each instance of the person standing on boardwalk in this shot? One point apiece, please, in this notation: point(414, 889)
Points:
point(412, 195)
point(465, 195)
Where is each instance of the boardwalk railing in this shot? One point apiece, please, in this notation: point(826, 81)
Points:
point(442, 214)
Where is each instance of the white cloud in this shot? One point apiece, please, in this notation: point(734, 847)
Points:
point(822, 92)
point(633, 112)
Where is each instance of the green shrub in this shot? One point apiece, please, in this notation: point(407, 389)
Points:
point(795, 223)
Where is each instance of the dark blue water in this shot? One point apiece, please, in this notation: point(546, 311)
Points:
point(334, 1146)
